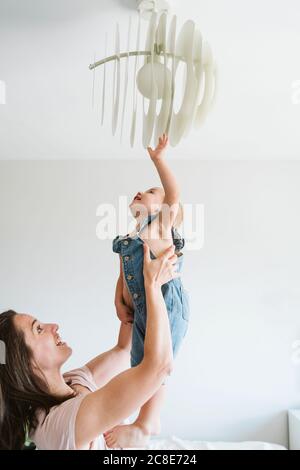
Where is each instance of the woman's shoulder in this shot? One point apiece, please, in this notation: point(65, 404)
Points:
point(81, 376)
point(55, 430)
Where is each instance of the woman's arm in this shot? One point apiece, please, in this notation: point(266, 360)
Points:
point(107, 407)
point(107, 365)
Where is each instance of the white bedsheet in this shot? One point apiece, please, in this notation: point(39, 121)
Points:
point(175, 443)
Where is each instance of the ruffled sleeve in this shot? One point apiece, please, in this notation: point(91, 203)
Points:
point(178, 241)
point(116, 244)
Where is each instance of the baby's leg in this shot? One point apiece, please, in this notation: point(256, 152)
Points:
point(146, 424)
point(149, 415)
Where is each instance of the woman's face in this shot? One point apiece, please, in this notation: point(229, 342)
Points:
point(48, 349)
point(148, 202)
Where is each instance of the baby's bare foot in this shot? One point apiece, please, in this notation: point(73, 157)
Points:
point(127, 435)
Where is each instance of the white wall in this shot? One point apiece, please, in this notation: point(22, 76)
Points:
point(234, 378)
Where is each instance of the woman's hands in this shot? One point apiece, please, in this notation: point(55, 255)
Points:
point(160, 270)
point(158, 153)
point(124, 312)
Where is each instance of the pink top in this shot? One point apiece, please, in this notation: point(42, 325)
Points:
point(57, 432)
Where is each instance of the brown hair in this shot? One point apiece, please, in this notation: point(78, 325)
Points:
point(22, 392)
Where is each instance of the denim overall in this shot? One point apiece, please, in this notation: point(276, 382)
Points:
point(175, 296)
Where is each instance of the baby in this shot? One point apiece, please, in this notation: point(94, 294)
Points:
point(158, 213)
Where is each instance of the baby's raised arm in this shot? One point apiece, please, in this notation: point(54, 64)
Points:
point(167, 178)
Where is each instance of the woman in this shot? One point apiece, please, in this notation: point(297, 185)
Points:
point(74, 410)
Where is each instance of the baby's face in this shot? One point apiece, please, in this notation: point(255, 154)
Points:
point(148, 202)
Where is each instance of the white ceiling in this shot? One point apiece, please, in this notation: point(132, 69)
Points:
point(47, 45)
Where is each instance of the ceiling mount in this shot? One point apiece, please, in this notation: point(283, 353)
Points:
point(147, 7)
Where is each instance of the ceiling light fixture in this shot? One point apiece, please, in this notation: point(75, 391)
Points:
point(158, 78)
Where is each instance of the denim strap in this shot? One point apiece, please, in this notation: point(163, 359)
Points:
point(147, 221)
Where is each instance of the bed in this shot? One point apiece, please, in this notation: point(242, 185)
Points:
point(175, 443)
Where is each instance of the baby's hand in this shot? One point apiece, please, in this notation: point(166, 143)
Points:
point(157, 154)
point(125, 313)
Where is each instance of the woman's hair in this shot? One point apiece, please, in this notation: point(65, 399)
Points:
point(22, 392)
